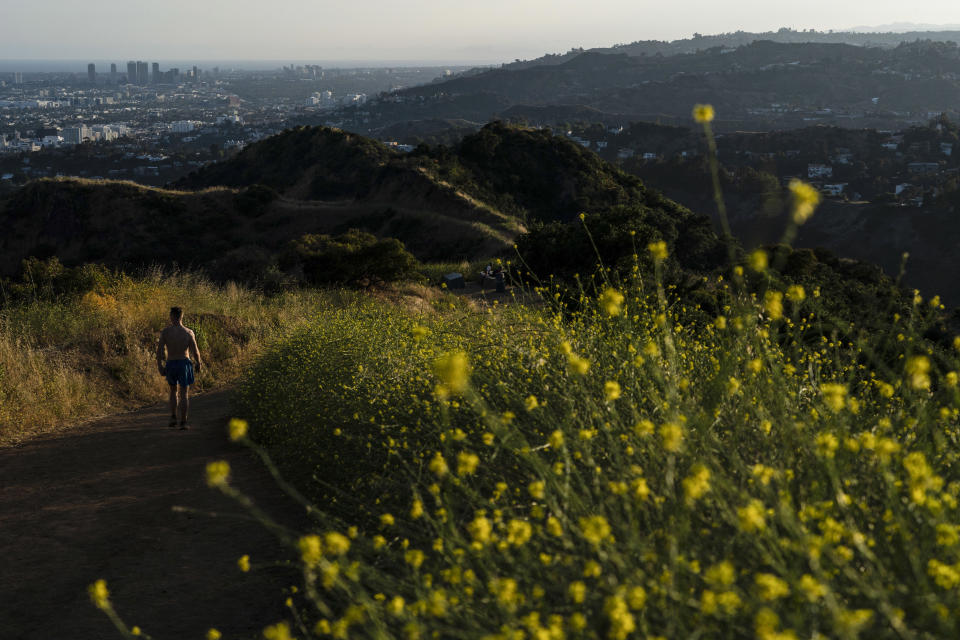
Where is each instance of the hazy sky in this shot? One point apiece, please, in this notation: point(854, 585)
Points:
point(447, 30)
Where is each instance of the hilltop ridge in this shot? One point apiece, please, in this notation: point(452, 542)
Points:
point(445, 203)
point(761, 84)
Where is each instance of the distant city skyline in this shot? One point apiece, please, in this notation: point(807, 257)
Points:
point(417, 31)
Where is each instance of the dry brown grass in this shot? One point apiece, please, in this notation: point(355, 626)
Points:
point(64, 362)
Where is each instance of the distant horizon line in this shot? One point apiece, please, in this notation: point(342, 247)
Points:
point(38, 65)
point(267, 64)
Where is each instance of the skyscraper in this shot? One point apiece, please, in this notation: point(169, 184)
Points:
point(92, 73)
point(131, 72)
point(113, 73)
point(156, 73)
point(196, 74)
point(142, 73)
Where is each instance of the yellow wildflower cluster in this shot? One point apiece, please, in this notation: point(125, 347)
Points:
point(805, 200)
point(594, 466)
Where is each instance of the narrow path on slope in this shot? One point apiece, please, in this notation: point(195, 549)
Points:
point(97, 502)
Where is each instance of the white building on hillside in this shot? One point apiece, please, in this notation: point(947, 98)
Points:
point(819, 171)
point(183, 126)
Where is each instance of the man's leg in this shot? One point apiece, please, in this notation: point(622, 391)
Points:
point(184, 404)
point(173, 403)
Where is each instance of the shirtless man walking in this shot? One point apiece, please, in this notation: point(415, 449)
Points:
point(179, 343)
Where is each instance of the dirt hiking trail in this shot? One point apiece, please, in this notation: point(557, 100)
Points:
point(97, 502)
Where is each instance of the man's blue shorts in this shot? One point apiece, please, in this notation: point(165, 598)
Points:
point(179, 372)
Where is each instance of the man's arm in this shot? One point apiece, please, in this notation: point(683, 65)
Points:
point(161, 346)
point(195, 351)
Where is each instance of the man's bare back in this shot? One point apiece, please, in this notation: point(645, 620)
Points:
point(180, 343)
point(177, 357)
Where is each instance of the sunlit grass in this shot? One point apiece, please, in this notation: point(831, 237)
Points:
point(89, 354)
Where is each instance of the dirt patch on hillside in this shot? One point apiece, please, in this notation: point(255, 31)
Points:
point(98, 502)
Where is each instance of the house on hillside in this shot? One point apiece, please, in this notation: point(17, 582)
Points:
point(923, 168)
point(819, 171)
point(842, 155)
point(834, 190)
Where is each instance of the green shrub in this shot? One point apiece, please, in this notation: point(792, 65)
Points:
point(349, 258)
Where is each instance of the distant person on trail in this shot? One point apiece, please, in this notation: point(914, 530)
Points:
point(179, 343)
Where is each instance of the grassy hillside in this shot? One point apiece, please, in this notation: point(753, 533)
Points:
point(235, 217)
point(82, 343)
point(306, 163)
point(126, 225)
point(539, 176)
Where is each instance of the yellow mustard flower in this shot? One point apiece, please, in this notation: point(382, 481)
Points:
point(537, 489)
point(796, 293)
point(752, 517)
point(579, 366)
point(237, 429)
point(577, 591)
point(595, 529)
point(918, 372)
point(99, 594)
point(672, 435)
point(218, 473)
point(773, 304)
point(480, 529)
point(279, 631)
point(721, 574)
point(311, 550)
point(696, 484)
point(416, 509)
point(834, 395)
point(611, 390)
point(621, 621)
point(438, 465)
point(805, 200)
point(636, 598)
point(518, 532)
point(611, 301)
point(812, 588)
point(554, 527)
point(420, 332)
point(336, 544)
point(467, 463)
point(771, 587)
point(396, 605)
point(556, 439)
point(453, 371)
point(703, 113)
point(658, 251)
